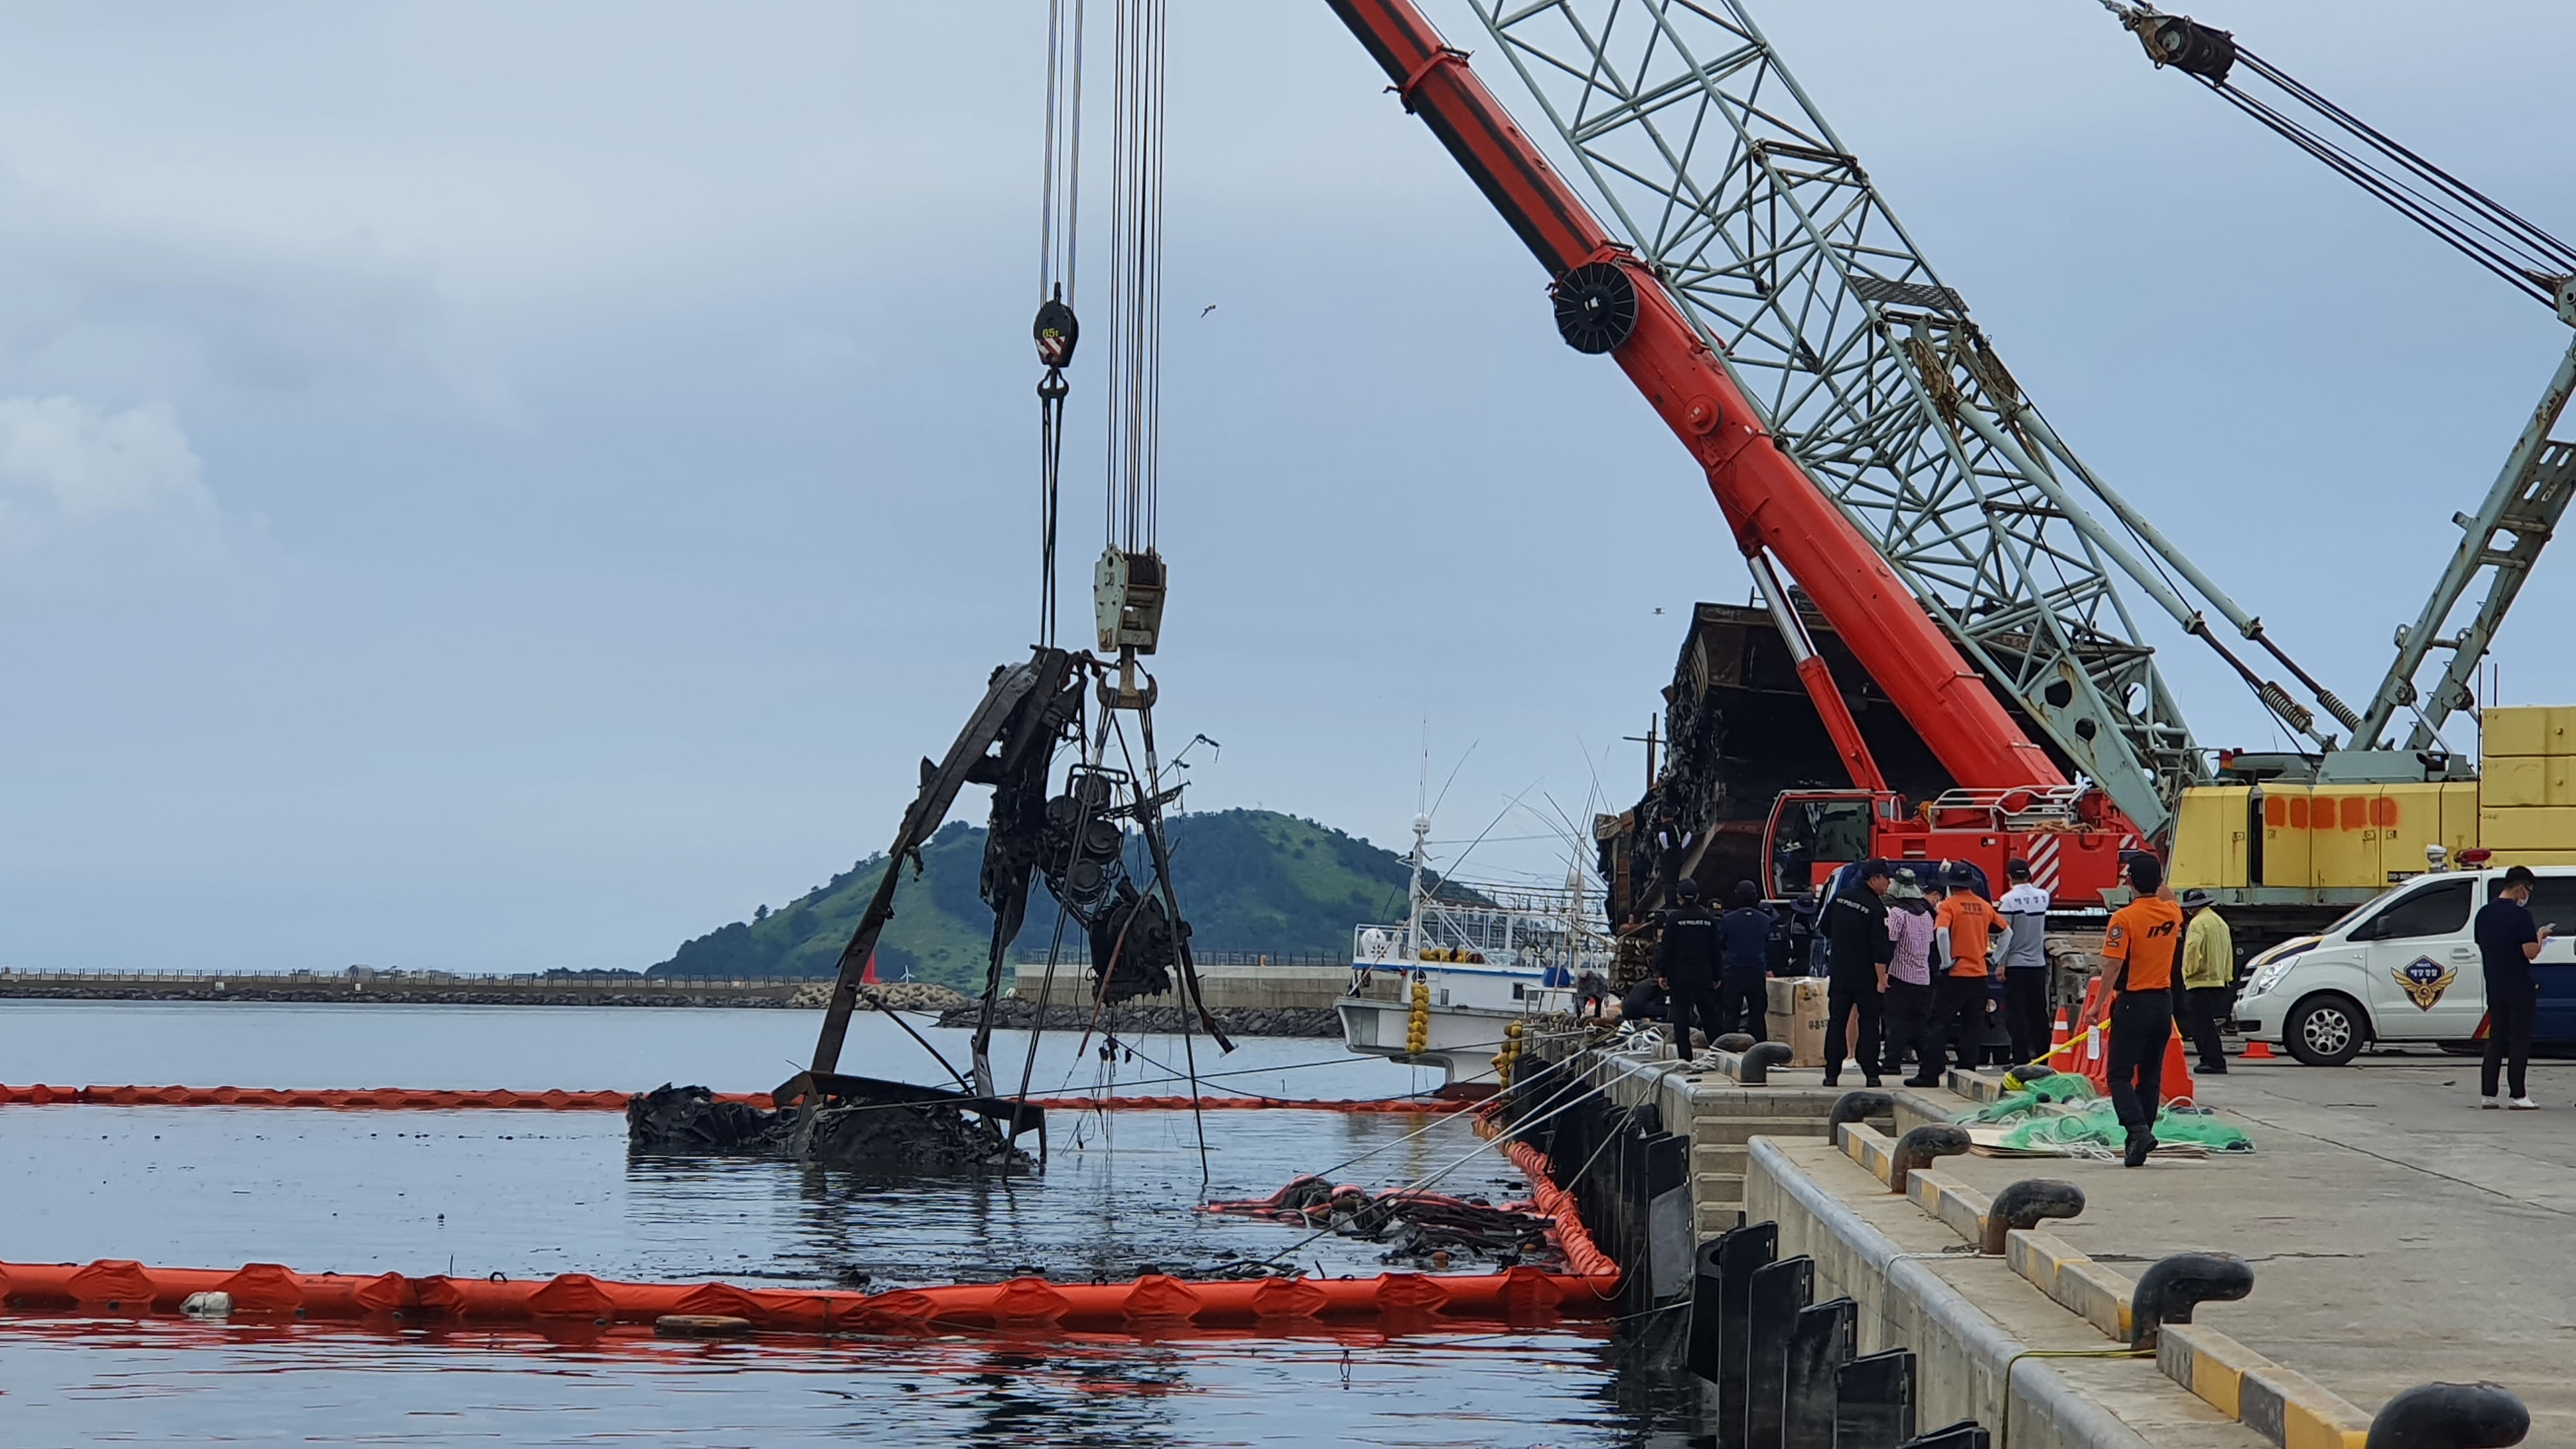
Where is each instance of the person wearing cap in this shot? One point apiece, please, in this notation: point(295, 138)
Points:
point(1965, 926)
point(1686, 957)
point(1906, 1013)
point(2024, 909)
point(2141, 956)
point(1859, 949)
point(2508, 942)
point(2208, 977)
point(1744, 962)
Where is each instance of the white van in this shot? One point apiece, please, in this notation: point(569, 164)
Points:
point(2403, 968)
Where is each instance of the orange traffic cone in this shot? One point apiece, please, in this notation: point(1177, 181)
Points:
point(2256, 1051)
point(2057, 1037)
point(2176, 1080)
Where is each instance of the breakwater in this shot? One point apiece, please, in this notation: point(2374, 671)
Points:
point(408, 990)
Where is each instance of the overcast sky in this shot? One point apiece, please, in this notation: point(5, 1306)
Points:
point(493, 486)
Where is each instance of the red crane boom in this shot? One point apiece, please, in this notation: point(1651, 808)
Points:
point(1767, 499)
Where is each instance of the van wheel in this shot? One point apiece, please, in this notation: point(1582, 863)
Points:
point(2326, 1030)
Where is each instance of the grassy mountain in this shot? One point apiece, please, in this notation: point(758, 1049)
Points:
point(1249, 880)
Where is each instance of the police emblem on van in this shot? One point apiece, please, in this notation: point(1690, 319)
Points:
point(2423, 982)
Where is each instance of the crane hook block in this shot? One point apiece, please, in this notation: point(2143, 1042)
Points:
point(1056, 332)
point(1596, 307)
point(2186, 45)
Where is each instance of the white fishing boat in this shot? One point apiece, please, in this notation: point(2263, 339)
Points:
point(1469, 959)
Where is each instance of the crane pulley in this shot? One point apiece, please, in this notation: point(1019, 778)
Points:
point(2502, 539)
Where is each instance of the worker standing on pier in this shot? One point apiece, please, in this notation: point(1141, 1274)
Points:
point(2025, 912)
point(2141, 950)
point(1686, 957)
point(1744, 946)
point(1907, 1015)
point(1965, 925)
point(2508, 941)
point(2208, 977)
point(1855, 931)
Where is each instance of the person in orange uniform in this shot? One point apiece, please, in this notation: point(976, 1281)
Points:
point(1965, 926)
point(2142, 956)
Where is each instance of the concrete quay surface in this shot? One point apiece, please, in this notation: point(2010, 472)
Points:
point(2399, 1234)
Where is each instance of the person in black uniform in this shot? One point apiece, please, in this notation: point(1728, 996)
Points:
point(1857, 944)
point(1686, 957)
point(2509, 940)
point(1744, 959)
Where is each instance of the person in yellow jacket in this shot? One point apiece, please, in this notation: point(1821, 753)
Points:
point(2208, 977)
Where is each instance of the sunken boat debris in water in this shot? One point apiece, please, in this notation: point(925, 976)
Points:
point(854, 1122)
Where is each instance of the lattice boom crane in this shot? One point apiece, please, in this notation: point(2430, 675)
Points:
point(1611, 298)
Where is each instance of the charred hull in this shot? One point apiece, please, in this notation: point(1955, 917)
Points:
point(919, 1139)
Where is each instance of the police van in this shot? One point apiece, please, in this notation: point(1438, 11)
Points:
point(2403, 969)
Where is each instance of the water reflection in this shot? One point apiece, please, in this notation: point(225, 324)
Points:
point(78, 1381)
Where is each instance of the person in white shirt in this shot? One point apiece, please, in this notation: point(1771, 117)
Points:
point(2025, 912)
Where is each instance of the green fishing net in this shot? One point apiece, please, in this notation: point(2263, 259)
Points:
point(2094, 1129)
point(2038, 1096)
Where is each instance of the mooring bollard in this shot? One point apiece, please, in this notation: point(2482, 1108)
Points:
point(1779, 1293)
point(1819, 1346)
point(2023, 1204)
point(1874, 1401)
point(2172, 1286)
point(1753, 1069)
point(1918, 1147)
point(1734, 1041)
point(1857, 1107)
point(2450, 1416)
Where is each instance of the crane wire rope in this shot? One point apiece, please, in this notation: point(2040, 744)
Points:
point(1059, 255)
point(2471, 222)
point(1133, 508)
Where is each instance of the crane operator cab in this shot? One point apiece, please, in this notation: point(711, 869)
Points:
point(1813, 833)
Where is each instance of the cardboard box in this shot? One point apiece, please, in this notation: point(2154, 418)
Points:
point(1796, 1015)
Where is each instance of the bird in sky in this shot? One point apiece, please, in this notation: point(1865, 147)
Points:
point(1210, 307)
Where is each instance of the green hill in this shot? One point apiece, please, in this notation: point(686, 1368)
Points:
point(1249, 880)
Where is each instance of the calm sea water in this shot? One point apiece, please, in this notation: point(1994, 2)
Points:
point(533, 1194)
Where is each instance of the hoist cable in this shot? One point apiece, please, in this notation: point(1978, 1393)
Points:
point(1059, 255)
point(2476, 225)
point(1136, 247)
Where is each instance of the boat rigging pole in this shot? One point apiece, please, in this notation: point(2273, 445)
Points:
point(2504, 537)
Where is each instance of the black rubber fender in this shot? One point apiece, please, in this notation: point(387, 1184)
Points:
point(1857, 1107)
point(1753, 1069)
point(2173, 1286)
point(2023, 1204)
point(2450, 1416)
point(1918, 1147)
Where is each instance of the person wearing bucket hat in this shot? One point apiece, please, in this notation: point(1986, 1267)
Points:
point(2208, 977)
point(1907, 1010)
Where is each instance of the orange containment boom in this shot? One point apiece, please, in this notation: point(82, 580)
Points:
point(413, 1099)
point(119, 1286)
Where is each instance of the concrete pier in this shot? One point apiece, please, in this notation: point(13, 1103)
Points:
point(2398, 1235)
